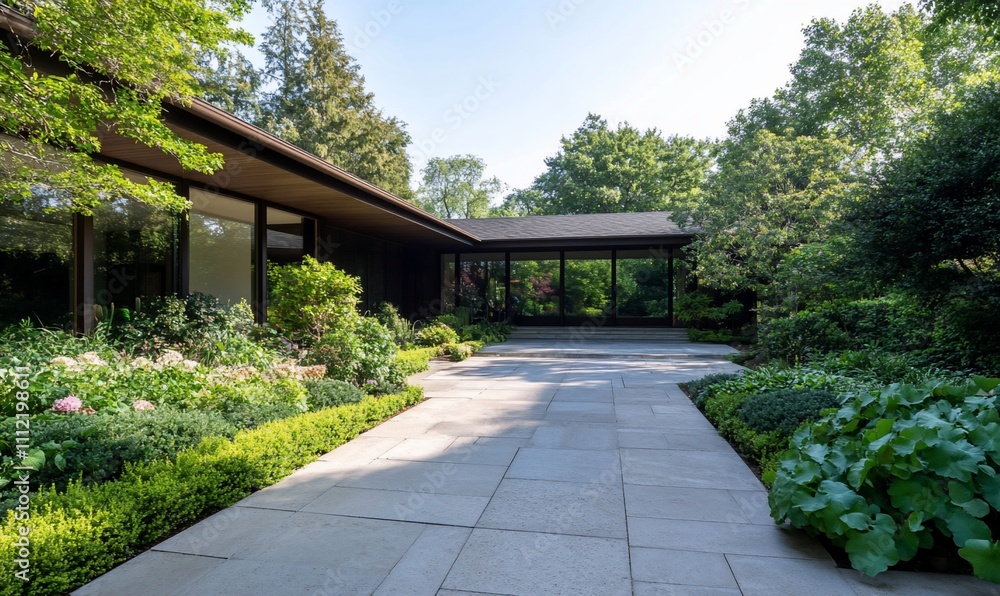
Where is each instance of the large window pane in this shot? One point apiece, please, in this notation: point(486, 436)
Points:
point(447, 283)
point(285, 237)
point(534, 286)
point(643, 284)
point(222, 247)
point(483, 285)
point(36, 261)
point(133, 253)
point(588, 284)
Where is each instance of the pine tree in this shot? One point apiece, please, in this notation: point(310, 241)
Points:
point(318, 101)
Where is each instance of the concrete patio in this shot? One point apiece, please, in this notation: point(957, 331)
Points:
point(518, 476)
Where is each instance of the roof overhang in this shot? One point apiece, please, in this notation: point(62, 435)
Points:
point(261, 166)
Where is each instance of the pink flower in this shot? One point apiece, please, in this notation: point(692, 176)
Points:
point(70, 403)
point(141, 404)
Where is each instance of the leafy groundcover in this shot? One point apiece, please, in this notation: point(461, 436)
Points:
point(892, 471)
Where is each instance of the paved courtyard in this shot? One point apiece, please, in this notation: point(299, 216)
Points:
point(518, 476)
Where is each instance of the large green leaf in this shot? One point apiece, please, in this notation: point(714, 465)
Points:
point(991, 489)
point(986, 384)
point(874, 551)
point(985, 558)
point(958, 459)
point(962, 526)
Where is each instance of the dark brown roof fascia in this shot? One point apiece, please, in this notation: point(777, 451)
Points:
point(384, 199)
point(17, 23)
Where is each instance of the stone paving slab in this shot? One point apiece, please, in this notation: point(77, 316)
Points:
point(557, 508)
point(518, 477)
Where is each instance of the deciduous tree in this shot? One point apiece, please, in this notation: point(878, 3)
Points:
point(318, 102)
point(119, 61)
point(599, 170)
point(453, 187)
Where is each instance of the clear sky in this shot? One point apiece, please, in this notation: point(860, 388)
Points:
point(505, 80)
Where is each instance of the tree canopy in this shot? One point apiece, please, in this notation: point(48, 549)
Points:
point(600, 170)
point(124, 59)
point(310, 92)
point(932, 221)
point(454, 187)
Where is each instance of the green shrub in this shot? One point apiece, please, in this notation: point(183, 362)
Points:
point(401, 330)
point(310, 299)
point(96, 448)
point(891, 469)
point(247, 415)
point(411, 362)
point(485, 332)
point(288, 392)
point(760, 449)
point(328, 393)
point(437, 334)
point(698, 309)
point(718, 336)
point(894, 323)
point(785, 410)
point(83, 532)
point(878, 367)
point(699, 389)
point(362, 353)
point(459, 352)
point(199, 326)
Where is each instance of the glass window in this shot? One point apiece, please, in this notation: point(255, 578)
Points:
point(447, 283)
point(534, 285)
point(134, 253)
point(588, 284)
point(222, 246)
point(36, 260)
point(643, 284)
point(483, 285)
point(285, 237)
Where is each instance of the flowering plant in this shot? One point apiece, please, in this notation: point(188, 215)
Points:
point(70, 403)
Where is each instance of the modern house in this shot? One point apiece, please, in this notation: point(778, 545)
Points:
point(274, 202)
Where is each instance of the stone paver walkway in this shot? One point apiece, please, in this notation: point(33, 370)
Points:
point(517, 476)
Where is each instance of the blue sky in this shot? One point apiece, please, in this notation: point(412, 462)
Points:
point(506, 80)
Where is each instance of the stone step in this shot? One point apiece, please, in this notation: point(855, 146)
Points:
point(642, 334)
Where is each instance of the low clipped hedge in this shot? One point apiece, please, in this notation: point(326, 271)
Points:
point(83, 532)
point(411, 362)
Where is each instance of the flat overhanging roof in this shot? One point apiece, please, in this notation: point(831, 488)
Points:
point(573, 231)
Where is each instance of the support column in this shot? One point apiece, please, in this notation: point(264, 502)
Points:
point(259, 271)
point(671, 290)
point(310, 237)
point(562, 287)
point(83, 273)
point(613, 316)
point(508, 303)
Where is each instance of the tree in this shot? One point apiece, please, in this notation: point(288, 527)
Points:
point(230, 81)
point(124, 60)
point(453, 187)
point(318, 102)
point(932, 221)
point(519, 203)
point(982, 12)
point(600, 170)
point(872, 81)
point(772, 194)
